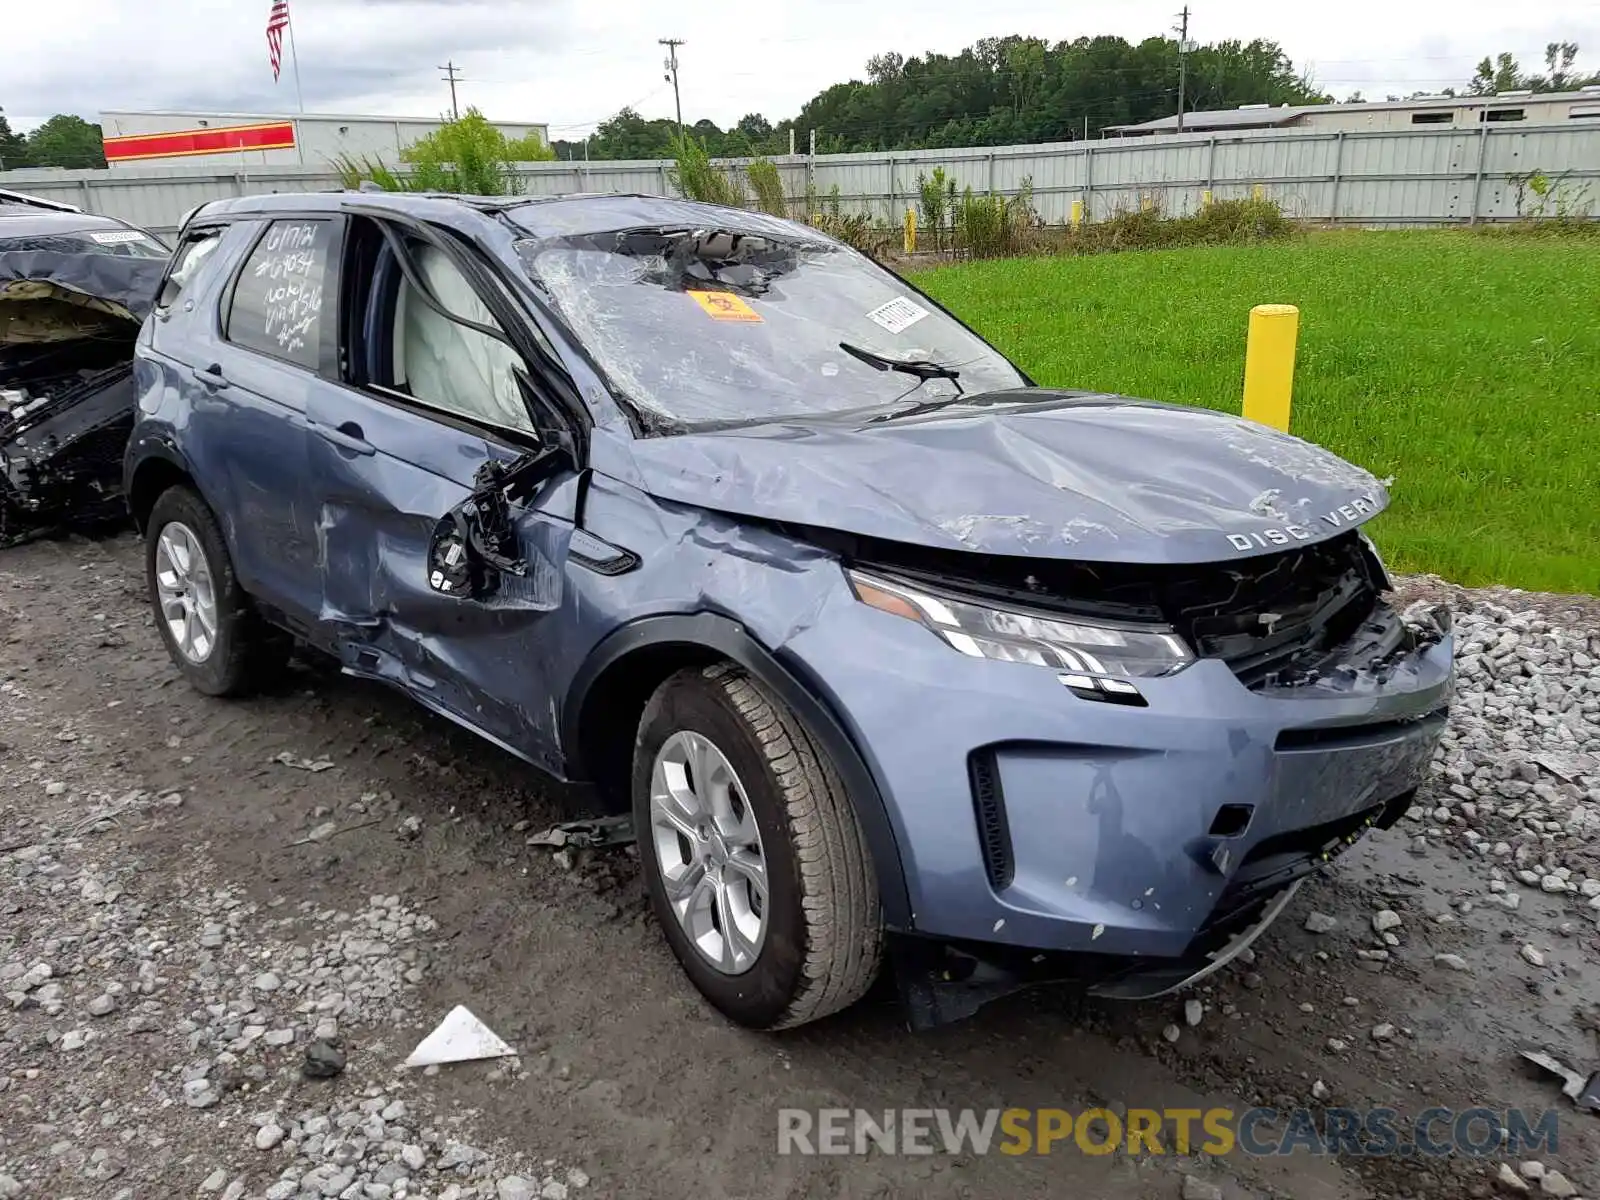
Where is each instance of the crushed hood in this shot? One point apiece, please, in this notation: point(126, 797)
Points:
point(49, 295)
point(1031, 472)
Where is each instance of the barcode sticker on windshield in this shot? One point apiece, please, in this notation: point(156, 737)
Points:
point(898, 315)
point(116, 237)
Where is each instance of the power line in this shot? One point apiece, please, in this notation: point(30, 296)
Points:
point(450, 74)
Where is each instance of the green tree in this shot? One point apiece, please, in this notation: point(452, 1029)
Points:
point(13, 147)
point(531, 148)
point(1503, 73)
point(995, 92)
point(67, 141)
point(467, 156)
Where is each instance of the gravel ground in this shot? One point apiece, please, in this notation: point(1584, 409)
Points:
point(224, 925)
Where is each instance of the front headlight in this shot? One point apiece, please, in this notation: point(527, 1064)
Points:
point(1083, 646)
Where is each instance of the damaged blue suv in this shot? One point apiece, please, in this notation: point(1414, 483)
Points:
point(892, 656)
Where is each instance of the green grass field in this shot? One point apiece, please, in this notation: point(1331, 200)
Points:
point(1466, 367)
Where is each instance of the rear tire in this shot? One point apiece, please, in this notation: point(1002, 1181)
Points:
point(211, 630)
point(820, 937)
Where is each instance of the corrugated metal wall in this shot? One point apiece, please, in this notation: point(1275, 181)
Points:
point(1414, 177)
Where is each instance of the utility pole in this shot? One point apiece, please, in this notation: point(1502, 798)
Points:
point(453, 78)
point(1183, 59)
point(671, 76)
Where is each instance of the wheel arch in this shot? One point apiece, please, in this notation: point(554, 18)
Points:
point(609, 692)
point(153, 468)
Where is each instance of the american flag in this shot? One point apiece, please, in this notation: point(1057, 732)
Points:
point(277, 21)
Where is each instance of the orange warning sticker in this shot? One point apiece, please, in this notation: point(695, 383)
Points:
point(725, 306)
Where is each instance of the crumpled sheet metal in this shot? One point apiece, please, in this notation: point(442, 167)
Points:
point(1057, 475)
point(1583, 1091)
point(112, 283)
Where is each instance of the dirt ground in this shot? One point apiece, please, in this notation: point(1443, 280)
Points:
point(624, 1072)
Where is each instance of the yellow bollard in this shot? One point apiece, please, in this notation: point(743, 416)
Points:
point(1269, 364)
point(1147, 201)
point(1258, 192)
point(1077, 213)
point(911, 231)
point(1205, 198)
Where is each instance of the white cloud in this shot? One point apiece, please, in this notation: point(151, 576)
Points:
point(571, 63)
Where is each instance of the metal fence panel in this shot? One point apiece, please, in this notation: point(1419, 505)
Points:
point(1402, 177)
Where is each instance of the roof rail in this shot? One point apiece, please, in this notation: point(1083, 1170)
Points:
point(37, 202)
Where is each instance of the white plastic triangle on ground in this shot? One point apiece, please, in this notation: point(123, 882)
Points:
point(460, 1037)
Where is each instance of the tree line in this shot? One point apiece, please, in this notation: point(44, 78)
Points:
point(1016, 90)
point(63, 141)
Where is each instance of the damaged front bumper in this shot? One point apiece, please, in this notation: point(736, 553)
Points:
point(1046, 836)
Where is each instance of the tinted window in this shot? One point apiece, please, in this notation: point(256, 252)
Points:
point(707, 326)
point(277, 303)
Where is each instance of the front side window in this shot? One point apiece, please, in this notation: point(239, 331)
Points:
point(445, 364)
point(277, 303)
point(707, 327)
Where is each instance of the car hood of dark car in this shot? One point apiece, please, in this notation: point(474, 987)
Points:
point(117, 285)
point(1031, 472)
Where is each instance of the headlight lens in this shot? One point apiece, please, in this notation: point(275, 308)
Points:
point(1104, 648)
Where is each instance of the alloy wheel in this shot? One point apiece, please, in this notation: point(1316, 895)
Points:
point(708, 848)
point(186, 592)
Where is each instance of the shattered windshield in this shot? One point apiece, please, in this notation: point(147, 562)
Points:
point(705, 327)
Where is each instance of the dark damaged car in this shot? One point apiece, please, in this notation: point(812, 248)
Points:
point(74, 288)
point(891, 655)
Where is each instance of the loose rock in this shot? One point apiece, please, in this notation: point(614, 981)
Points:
point(1195, 1188)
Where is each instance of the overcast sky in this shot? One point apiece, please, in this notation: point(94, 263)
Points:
point(572, 63)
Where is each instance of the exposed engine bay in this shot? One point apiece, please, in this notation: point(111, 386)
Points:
point(70, 311)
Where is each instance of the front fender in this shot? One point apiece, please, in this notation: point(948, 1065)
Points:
point(731, 640)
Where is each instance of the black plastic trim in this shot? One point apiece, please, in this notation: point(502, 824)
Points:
point(989, 809)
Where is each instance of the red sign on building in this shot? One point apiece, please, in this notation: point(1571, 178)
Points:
point(276, 135)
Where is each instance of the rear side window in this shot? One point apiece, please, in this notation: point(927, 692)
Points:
point(276, 307)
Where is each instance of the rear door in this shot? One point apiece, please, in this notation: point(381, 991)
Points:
point(401, 438)
point(247, 351)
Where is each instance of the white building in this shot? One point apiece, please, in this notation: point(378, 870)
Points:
point(1424, 112)
point(164, 139)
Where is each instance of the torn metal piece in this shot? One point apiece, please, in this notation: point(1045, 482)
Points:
point(313, 765)
point(460, 1037)
point(588, 834)
point(1584, 1092)
point(1567, 764)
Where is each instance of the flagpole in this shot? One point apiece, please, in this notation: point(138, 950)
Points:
point(294, 59)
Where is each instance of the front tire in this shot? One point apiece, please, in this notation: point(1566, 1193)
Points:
point(211, 630)
point(753, 857)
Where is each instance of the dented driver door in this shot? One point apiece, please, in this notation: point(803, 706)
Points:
point(397, 448)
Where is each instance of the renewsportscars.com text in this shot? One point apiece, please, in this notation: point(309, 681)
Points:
point(1377, 1132)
